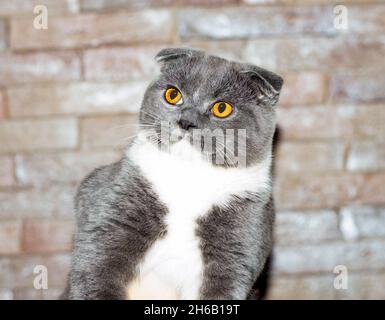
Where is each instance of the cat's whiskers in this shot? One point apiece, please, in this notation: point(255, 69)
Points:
point(131, 125)
point(153, 116)
point(225, 152)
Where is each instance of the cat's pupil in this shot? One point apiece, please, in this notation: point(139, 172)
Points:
point(222, 107)
point(173, 94)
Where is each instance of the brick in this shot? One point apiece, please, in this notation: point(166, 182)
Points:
point(120, 63)
point(301, 191)
point(127, 63)
point(24, 135)
point(25, 7)
point(38, 67)
point(107, 132)
point(263, 53)
point(315, 122)
point(303, 89)
point(254, 2)
point(3, 39)
point(298, 227)
point(52, 293)
point(47, 235)
point(93, 30)
point(364, 20)
point(58, 265)
point(369, 121)
point(365, 255)
point(10, 235)
point(366, 156)
point(309, 157)
point(352, 54)
point(349, 55)
point(60, 168)
point(360, 286)
point(362, 222)
point(33, 294)
point(2, 111)
point(307, 1)
point(18, 270)
point(7, 171)
point(7, 272)
point(328, 190)
point(6, 294)
point(332, 122)
point(91, 5)
point(228, 49)
point(357, 88)
point(55, 200)
point(76, 98)
point(371, 190)
point(2, 106)
point(27, 294)
point(316, 287)
point(364, 286)
point(200, 2)
point(249, 22)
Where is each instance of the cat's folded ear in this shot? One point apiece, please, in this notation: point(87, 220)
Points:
point(169, 54)
point(268, 83)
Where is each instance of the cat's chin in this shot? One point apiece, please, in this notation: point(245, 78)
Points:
point(178, 135)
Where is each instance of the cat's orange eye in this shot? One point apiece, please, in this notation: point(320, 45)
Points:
point(173, 96)
point(222, 109)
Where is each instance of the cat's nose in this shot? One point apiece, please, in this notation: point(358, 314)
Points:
point(186, 124)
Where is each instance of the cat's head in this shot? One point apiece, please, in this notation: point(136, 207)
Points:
point(198, 93)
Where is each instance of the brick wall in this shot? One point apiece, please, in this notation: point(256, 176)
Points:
point(67, 94)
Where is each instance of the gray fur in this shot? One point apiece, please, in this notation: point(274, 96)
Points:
point(119, 216)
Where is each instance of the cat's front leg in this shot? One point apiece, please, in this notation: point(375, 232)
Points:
point(104, 260)
point(98, 274)
point(235, 243)
point(226, 284)
point(229, 272)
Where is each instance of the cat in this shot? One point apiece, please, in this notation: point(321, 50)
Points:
point(169, 221)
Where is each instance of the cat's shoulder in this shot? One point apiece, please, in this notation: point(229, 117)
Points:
point(94, 188)
point(99, 178)
point(110, 184)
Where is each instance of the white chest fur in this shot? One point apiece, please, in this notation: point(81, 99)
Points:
point(189, 187)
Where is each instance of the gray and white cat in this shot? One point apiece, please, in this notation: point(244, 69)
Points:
point(171, 223)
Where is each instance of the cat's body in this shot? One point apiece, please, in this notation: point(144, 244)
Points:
point(172, 225)
point(176, 258)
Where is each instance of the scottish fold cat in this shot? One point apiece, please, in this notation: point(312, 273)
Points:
point(181, 216)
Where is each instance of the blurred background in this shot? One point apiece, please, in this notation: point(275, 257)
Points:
point(68, 93)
